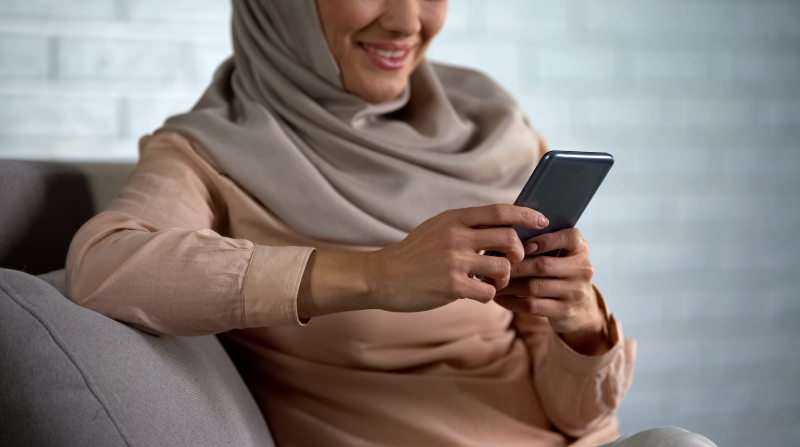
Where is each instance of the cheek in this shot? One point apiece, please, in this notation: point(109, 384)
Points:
point(432, 18)
point(341, 19)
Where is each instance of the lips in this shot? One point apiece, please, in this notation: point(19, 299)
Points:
point(387, 56)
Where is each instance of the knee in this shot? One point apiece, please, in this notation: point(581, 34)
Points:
point(663, 437)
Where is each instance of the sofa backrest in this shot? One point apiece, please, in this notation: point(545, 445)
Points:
point(43, 204)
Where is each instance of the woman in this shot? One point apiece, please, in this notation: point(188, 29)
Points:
point(326, 201)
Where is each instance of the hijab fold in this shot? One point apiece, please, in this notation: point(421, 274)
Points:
point(278, 122)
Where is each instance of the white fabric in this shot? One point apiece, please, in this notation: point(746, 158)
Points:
point(662, 437)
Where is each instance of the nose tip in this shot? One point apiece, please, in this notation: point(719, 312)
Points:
point(402, 17)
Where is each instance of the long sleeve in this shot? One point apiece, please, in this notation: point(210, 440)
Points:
point(579, 393)
point(155, 261)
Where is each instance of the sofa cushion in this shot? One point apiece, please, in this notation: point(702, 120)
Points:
point(72, 377)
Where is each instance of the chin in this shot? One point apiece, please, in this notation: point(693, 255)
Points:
point(379, 92)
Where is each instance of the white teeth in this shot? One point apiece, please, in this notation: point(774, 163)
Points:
point(386, 54)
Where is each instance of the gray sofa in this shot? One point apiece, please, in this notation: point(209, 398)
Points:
point(72, 377)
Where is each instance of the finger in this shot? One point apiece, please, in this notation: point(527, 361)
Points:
point(546, 266)
point(500, 239)
point(476, 290)
point(538, 287)
point(496, 268)
point(542, 307)
point(569, 240)
point(501, 214)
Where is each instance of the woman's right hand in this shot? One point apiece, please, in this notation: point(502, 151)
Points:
point(433, 266)
point(436, 264)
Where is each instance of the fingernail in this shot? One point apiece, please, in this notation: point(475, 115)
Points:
point(530, 248)
point(543, 221)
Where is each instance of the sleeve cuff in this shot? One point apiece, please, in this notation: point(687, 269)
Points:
point(271, 286)
point(577, 363)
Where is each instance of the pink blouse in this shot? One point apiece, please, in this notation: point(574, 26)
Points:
point(183, 250)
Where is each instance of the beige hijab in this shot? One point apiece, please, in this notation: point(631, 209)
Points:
point(277, 121)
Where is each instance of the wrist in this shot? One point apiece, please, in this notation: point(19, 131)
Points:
point(334, 282)
point(591, 340)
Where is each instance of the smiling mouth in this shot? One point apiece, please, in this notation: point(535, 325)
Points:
point(387, 57)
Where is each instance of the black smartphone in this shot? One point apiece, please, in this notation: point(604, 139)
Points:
point(561, 187)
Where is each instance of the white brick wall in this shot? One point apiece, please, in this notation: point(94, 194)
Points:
point(59, 9)
point(57, 115)
point(23, 56)
point(84, 79)
point(694, 234)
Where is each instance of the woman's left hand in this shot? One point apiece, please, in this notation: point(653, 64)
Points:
point(559, 288)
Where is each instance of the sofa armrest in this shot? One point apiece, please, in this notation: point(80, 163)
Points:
point(72, 377)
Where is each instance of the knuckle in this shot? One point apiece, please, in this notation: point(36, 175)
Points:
point(485, 296)
point(546, 240)
point(451, 262)
point(451, 215)
point(576, 238)
point(526, 214)
point(504, 266)
point(534, 287)
point(452, 285)
point(509, 236)
point(525, 268)
point(504, 271)
point(500, 285)
point(451, 238)
point(531, 306)
point(497, 212)
point(544, 264)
